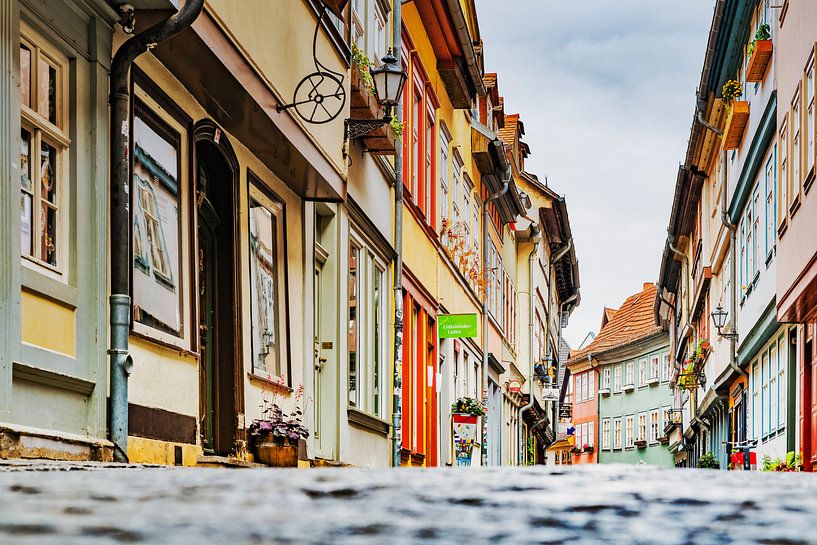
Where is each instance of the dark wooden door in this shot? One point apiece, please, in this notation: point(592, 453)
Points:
point(208, 326)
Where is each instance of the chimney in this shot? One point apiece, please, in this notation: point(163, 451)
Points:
point(647, 285)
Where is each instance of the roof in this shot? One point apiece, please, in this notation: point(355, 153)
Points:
point(633, 321)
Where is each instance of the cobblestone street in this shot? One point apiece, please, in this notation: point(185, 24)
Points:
point(581, 505)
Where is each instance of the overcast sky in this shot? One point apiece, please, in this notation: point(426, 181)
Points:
point(606, 91)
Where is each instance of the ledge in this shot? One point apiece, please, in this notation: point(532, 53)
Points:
point(629, 388)
point(38, 375)
point(367, 421)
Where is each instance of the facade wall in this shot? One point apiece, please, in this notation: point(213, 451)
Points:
point(649, 397)
point(53, 385)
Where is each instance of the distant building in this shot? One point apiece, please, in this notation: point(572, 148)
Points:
point(619, 374)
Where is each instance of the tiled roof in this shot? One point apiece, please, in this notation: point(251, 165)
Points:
point(508, 133)
point(633, 321)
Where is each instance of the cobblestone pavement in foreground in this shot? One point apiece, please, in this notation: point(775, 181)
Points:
point(96, 504)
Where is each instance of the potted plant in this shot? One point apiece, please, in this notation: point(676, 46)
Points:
point(759, 52)
point(793, 462)
point(275, 437)
point(587, 448)
point(575, 450)
point(469, 406)
point(708, 461)
point(737, 114)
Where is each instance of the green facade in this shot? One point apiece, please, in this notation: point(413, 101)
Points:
point(637, 394)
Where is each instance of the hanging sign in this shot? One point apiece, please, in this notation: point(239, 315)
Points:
point(514, 386)
point(550, 394)
point(456, 326)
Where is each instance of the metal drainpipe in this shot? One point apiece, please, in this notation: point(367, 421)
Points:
point(120, 302)
point(558, 353)
point(727, 222)
point(485, 241)
point(397, 378)
point(531, 259)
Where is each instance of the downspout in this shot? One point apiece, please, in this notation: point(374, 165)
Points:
point(558, 402)
point(485, 241)
point(727, 222)
point(397, 378)
point(537, 237)
point(120, 302)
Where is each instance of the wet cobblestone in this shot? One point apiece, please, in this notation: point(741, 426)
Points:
point(99, 504)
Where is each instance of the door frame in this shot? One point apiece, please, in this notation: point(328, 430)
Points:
point(207, 131)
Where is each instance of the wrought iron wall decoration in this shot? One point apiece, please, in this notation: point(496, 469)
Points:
point(319, 97)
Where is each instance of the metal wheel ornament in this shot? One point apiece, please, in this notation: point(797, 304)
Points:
point(319, 97)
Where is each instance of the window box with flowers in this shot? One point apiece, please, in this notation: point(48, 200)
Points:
point(588, 449)
point(737, 115)
point(760, 54)
point(364, 105)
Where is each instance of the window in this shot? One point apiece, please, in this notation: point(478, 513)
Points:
point(630, 434)
point(756, 232)
point(782, 183)
point(267, 289)
point(605, 434)
point(628, 375)
point(585, 384)
point(642, 427)
point(367, 340)
point(796, 158)
point(617, 378)
point(605, 378)
point(654, 366)
point(808, 119)
point(445, 141)
point(781, 381)
point(666, 370)
point(756, 407)
point(770, 185)
point(773, 392)
point(642, 372)
point(420, 148)
point(764, 395)
point(591, 387)
point(156, 229)
point(664, 419)
point(654, 422)
point(456, 191)
point(591, 434)
point(617, 433)
point(44, 144)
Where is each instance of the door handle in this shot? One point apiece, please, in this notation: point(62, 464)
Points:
point(321, 362)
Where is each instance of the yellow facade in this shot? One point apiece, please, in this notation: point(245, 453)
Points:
point(47, 324)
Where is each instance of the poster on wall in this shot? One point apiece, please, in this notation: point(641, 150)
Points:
point(465, 437)
point(156, 231)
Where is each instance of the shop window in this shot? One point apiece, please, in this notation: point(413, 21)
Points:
point(44, 144)
point(268, 304)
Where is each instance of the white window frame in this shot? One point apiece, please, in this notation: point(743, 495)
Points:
point(642, 372)
point(617, 431)
point(605, 378)
point(605, 434)
point(629, 378)
point(666, 370)
point(654, 422)
point(629, 441)
point(655, 367)
point(641, 432)
point(43, 131)
point(281, 329)
point(617, 378)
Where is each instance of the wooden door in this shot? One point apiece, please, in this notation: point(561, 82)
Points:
point(208, 336)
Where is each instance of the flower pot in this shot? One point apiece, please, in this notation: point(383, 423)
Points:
point(705, 345)
point(276, 455)
point(735, 124)
point(759, 61)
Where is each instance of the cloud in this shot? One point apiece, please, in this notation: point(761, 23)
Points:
point(606, 92)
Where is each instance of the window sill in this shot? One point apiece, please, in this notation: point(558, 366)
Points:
point(629, 388)
point(270, 381)
point(770, 256)
point(43, 284)
point(652, 382)
point(367, 421)
point(794, 206)
point(168, 345)
point(809, 182)
point(781, 229)
point(604, 392)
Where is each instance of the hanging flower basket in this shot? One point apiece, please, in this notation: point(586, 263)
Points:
point(735, 124)
point(468, 405)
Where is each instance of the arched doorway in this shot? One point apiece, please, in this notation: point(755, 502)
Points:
point(221, 395)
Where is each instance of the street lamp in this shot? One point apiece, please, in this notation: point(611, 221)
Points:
point(388, 79)
point(719, 317)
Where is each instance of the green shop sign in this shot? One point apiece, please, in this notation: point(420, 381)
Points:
point(456, 326)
